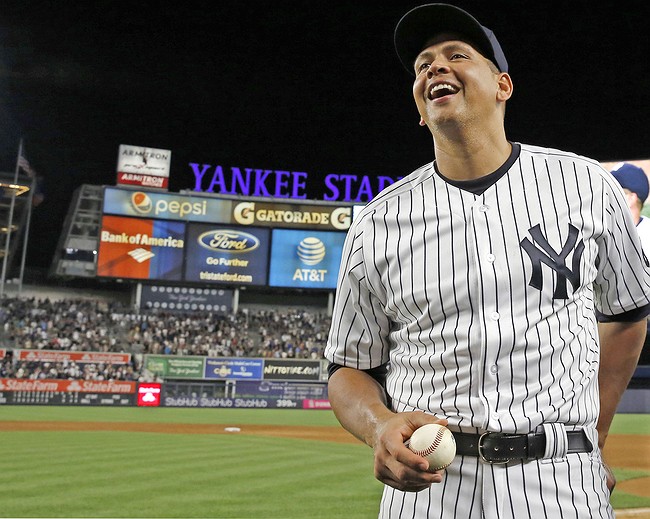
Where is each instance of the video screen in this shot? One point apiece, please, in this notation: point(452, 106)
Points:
point(305, 259)
point(137, 248)
point(227, 255)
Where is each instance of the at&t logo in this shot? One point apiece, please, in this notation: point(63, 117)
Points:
point(311, 251)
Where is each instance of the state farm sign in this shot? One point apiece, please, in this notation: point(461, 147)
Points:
point(67, 386)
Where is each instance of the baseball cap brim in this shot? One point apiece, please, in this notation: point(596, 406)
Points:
point(421, 24)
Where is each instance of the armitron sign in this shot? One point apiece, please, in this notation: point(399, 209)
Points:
point(146, 167)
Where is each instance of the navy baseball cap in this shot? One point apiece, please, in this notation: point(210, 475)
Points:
point(632, 178)
point(423, 23)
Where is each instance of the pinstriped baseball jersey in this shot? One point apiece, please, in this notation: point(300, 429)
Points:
point(484, 306)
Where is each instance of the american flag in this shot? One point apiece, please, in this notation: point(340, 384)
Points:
point(38, 196)
point(24, 164)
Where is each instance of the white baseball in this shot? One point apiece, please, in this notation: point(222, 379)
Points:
point(435, 443)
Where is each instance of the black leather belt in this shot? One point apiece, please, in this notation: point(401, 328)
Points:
point(502, 448)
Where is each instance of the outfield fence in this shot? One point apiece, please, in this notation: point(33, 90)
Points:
point(188, 382)
point(200, 381)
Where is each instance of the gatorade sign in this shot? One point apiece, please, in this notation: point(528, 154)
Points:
point(149, 395)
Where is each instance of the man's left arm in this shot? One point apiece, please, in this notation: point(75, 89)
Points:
point(620, 347)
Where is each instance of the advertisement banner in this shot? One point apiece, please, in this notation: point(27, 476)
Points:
point(72, 399)
point(311, 403)
point(298, 216)
point(288, 394)
point(72, 356)
point(140, 249)
point(227, 255)
point(185, 299)
point(194, 207)
point(223, 403)
point(140, 180)
point(140, 166)
point(260, 395)
point(167, 366)
point(166, 206)
point(149, 394)
point(305, 259)
point(285, 369)
point(233, 369)
point(67, 386)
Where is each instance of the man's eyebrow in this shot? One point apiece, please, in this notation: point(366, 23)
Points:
point(447, 47)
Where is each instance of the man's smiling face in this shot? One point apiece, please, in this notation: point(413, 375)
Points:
point(454, 82)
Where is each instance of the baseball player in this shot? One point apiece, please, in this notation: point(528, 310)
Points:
point(500, 290)
point(634, 182)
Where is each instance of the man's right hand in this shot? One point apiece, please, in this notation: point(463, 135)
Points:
point(395, 464)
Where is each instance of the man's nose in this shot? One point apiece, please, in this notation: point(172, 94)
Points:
point(437, 68)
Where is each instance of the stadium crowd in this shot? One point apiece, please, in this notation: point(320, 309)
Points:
point(100, 326)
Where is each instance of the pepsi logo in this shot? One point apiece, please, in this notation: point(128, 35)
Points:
point(141, 202)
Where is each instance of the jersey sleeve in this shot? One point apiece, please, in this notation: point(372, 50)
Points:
point(623, 280)
point(358, 335)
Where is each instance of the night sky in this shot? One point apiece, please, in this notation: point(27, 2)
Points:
point(289, 85)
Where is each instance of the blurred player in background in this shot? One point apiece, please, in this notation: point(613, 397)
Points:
point(634, 182)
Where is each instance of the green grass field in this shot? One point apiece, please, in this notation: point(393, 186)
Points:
point(124, 474)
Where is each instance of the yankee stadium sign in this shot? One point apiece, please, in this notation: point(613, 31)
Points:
point(284, 184)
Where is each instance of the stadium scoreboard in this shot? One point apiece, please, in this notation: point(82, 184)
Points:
point(210, 240)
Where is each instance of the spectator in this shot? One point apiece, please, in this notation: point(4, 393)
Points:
point(82, 325)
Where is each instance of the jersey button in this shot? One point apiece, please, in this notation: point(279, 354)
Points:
point(493, 369)
point(490, 257)
point(494, 316)
point(483, 208)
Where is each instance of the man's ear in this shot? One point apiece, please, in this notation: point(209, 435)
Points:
point(505, 87)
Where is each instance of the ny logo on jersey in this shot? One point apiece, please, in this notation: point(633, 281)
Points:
point(544, 253)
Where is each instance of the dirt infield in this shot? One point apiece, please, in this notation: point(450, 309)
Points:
point(332, 434)
point(618, 451)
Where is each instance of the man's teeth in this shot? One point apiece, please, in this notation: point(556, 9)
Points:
point(439, 87)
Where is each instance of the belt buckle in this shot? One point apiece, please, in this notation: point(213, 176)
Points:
point(482, 456)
